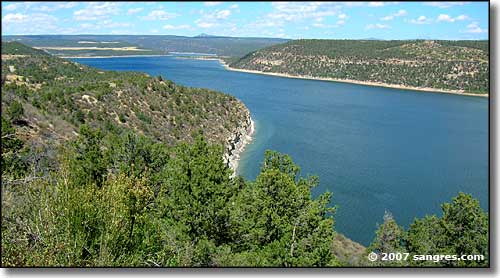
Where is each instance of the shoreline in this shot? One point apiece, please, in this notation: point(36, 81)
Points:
point(113, 56)
point(233, 157)
point(351, 81)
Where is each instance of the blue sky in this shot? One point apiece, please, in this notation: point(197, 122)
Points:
point(326, 20)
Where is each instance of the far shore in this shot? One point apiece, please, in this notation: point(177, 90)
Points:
point(113, 56)
point(368, 83)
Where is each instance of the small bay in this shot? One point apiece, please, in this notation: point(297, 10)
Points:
point(374, 148)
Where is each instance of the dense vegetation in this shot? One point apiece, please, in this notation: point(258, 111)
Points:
point(58, 96)
point(450, 65)
point(222, 46)
point(461, 230)
point(84, 190)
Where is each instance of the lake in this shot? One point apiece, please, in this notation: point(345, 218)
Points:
point(376, 149)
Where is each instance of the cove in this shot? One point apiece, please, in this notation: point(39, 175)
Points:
point(376, 149)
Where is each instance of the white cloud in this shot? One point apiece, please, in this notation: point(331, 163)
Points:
point(204, 24)
point(377, 26)
point(96, 11)
point(12, 7)
point(14, 18)
point(234, 6)
point(444, 5)
point(211, 4)
point(392, 16)
point(296, 11)
point(474, 28)
point(447, 18)
point(212, 19)
point(342, 16)
point(35, 23)
point(176, 27)
point(159, 15)
point(134, 11)
point(111, 24)
point(376, 4)
point(421, 20)
point(67, 5)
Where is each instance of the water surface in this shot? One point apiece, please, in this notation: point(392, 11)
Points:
point(375, 148)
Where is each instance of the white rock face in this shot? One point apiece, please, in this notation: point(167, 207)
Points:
point(237, 142)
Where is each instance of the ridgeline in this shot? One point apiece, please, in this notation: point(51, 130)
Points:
point(448, 66)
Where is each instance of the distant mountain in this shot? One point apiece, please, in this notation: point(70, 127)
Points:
point(203, 35)
point(158, 44)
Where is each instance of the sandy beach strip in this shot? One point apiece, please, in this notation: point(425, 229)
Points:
point(367, 83)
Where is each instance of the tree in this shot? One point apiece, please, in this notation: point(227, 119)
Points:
point(277, 223)
point(466, 229)
point(389, 238)
point(16, 111)
point(87, 160)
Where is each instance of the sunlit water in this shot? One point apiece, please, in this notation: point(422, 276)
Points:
point(374, 148)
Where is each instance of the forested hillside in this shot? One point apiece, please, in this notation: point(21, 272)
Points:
point(58, 96)
point(450, 65)
point(102, 168)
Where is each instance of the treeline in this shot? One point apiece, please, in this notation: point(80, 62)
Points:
point(85, 188)
point(451, 65)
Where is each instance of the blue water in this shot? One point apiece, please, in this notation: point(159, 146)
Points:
point(374, 148)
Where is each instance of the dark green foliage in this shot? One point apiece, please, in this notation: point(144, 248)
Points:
point(88, 164)
point(13, 159)
point(278, 213)
point(462, 230)
point(127, 201)
point(390, 238)
point(15, 111)
point(450, 65)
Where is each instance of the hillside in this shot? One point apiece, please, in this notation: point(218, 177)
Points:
point(147, 45)
point(102, 168)
point(124, 169)
point(460, 66)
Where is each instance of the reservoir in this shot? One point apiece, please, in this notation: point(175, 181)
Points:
point(376, 149)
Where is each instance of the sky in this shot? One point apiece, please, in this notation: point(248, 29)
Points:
point(321, 20)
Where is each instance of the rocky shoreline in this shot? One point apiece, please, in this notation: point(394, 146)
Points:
point(237, 142)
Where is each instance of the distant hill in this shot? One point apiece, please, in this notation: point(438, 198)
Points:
point(445, 65)
point(155, 44)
